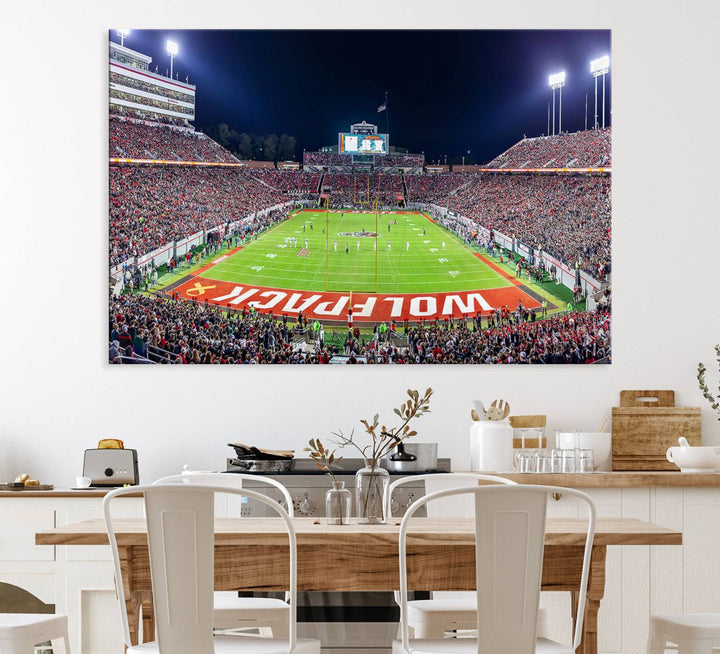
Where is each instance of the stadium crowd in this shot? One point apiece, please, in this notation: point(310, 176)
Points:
point(290, 181)
point(434, 187)
point(130, 82)
point(567, 215)
point(363, 189)
point(151, 206)
point(586, 149)
point(133, 139)
point(192, 332)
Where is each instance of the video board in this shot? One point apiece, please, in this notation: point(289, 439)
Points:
point(362, 143)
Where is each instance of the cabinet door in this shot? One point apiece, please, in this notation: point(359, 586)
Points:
point(17, 537)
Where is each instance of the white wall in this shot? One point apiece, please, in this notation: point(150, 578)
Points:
point(58, 395)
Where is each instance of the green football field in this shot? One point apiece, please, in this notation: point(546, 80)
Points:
point(414, 255)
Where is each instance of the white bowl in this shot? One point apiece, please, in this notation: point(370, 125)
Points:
point(695, 459)
point(599, 442)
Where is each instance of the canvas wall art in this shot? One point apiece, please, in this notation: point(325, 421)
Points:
point(359, 197)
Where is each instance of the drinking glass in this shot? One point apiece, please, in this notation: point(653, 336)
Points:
point(568, 460)
point(585, 461)
point(539, 434)
point(519, 454)
point(543, 461)
point(526, 461)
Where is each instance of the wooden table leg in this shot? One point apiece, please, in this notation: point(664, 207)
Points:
point(596, 591)
point(138, 595)
point(148, 616)
point(133, 606)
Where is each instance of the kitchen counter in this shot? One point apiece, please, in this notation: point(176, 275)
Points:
point(642, 479)
point(57, 493)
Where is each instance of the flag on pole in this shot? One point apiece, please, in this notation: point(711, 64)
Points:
point(383, 106)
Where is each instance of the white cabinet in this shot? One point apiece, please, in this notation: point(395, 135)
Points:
point(644, 579)
point(17, 537)
point(78, 580)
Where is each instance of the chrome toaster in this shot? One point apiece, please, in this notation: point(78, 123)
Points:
point(111, 467)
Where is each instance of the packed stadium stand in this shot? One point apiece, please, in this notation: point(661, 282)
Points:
point(588, 149)
point(154, 205)
point(134, 139)
point(568, 215)
point(167, 331)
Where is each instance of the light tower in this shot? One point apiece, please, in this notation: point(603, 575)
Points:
point(556, 81)
point(123, 35)
point(600, 67)
point(172, 49)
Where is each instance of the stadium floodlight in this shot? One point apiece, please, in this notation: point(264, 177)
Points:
point(600, 67)
point(123, 35)
point(556, 81)
point(172, 49)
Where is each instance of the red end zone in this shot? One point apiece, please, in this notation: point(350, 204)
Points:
point(367, 307)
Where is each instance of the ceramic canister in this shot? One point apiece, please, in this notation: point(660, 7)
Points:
point(491, 446)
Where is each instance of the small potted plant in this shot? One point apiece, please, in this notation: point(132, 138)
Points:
point(714, 400)
point(372, 481)
point(338, 500)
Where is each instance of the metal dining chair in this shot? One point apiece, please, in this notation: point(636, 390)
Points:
point(231, 611)
point(509, 545)
point(693, 633)
point(181, 545)
point(21, 632)
point(448, 611)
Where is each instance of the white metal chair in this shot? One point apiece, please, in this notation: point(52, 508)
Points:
point(445, 611)
point(231, 611)
point(509, 545)
point(20, 632)
point(180, 529)
point(693, 633)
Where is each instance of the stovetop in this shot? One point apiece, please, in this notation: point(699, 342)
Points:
point(345, 467)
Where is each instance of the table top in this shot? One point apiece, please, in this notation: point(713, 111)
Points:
point(629, 479)
point(428, 531)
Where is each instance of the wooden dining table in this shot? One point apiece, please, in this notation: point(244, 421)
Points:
point(251, 554)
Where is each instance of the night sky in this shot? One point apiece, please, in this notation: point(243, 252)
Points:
point(449, 91)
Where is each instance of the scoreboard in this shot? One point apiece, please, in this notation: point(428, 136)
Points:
point(362, 143)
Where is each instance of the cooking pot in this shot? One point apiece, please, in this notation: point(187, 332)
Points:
point(261, 465)
point(413, 457)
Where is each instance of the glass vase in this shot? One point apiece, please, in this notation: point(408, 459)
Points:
point(371, 485)
point(338, 501)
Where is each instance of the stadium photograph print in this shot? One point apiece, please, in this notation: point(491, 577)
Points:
point(269, 204)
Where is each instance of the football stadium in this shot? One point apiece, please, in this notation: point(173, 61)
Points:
point(359, 252)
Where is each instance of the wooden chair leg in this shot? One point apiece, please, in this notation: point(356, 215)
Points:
point(656, 643)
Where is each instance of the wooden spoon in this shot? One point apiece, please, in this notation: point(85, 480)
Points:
point(498, 410)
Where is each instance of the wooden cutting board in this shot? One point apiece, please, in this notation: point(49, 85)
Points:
point(6, 487)
point(645, 425)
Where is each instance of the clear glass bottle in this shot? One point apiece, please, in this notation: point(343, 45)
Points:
point(338, 503)
point(371, 486)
